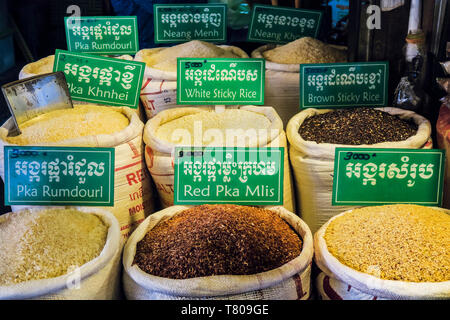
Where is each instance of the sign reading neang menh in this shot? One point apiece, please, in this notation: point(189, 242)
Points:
point(340, 85)
point(186, 22)
point(247, 176)
point(102, 35)
point(369, 176)
point(59, 176)
point(220, 81)
point(101, 80)
point(282, 25)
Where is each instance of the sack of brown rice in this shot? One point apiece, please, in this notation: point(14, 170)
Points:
point(190, 253)
point(247, 126)
point(97, 126)
point(385, 252)
point(159, 89)
point(282, 70)
point(314, 135)
point(59, 253)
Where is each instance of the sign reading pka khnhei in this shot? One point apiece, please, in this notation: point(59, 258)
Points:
point(101, 80)
point(229, 175)
point(102, 35)
point(220, 81)
point(59, 176)
point(369, 176)
point(282, 25)
point(186, 22)
point(339, 85)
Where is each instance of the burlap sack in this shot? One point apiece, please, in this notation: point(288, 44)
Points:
point(443, 141)
point(159, 89)
point(98, 279)
point(313, 164)
point(133, 194)
point(341, 282)
point(159, 153)
point(282, 85)
point(289, 282)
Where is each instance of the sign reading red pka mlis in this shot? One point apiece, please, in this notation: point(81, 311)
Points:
point(101, 80)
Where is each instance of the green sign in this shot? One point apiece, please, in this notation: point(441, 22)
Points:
point(282, 25)
point(102, 35)
point(186, 22)
point(220, 81)
point(368, 176)
point(59, 176)
point(340, 85)
point(101, 80)
point(246, 176)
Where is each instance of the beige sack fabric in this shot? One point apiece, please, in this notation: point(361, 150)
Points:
point(289, 282)
point(99, 279)
point(340, 282)
point(313, 164)
point(159, 153)
point(159, 88)
point(133, 194)
point(282, 82)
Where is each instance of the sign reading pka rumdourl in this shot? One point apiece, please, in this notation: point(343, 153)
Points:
point(246, 176)
point(368, 176)
point(186, 22)
point(101, 80)
point(102, 35)
point(282, 25)
point(341, 85)
point(59, 176)
point(220, 81)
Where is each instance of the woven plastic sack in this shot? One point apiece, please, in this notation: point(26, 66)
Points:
point(289, 282)
point(133, 191)
point(160, 161)
point(443, 141)
point(99, 279)
point(313, 164)
point(339, 281)
point(159, 88)
point(282, 82)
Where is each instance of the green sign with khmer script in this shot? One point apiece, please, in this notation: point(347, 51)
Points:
point(220, 81)
point(245, 176)
point(101, 80)
point(369, 176)
point(282, 25)
point(186, 22)
point(102, 35)
point(340, 85)
point(59, 176)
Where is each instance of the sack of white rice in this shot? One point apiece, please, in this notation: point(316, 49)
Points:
point(60, 254)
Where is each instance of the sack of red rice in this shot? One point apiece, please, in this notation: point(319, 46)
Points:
point(385, 252)
point(219, 252)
